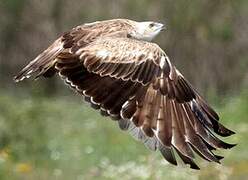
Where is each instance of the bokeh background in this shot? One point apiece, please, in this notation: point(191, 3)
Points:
point(48, 132)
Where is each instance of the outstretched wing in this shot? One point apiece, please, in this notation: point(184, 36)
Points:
point(72, 40)
point(134, 82)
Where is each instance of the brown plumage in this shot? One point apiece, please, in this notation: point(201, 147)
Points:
point(112, 64)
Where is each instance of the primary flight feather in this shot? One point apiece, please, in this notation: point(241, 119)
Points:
point(119, 71)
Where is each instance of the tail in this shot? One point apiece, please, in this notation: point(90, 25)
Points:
point(42, 63)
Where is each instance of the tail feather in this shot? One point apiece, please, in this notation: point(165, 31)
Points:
point(42, 63)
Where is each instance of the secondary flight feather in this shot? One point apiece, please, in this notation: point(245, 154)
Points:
point(120, 72)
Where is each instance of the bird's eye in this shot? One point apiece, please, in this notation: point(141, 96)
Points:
point(151, 25)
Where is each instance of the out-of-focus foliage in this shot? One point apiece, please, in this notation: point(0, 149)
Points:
point(47, 133)
point(206, 39)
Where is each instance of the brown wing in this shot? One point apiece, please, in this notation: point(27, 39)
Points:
point(72, 40)
point(135, 83)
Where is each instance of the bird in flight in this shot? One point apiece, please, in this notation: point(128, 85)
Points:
point(117, 69)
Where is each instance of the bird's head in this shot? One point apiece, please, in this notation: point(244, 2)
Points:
point(147, 30)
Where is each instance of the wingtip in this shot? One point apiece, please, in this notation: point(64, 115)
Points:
point(232, 132)
point(168, 154)
point(226, 132)
point(195, 167)
point(232, 145)
point(17, 79)
point(25, 73)
point(21, 77)
point(219, 157)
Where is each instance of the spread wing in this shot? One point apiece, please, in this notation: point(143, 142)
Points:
point(135, 83)
point(72, 40)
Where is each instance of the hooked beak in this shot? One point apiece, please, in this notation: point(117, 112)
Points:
point(163, 27)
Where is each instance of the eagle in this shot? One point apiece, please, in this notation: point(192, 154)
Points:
point(117, 69)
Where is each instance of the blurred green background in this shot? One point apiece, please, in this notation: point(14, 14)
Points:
point(47, 132)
